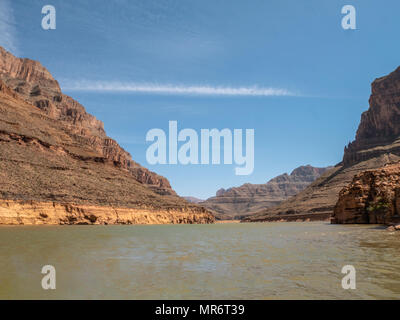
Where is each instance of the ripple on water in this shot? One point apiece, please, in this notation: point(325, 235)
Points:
point(222, 261)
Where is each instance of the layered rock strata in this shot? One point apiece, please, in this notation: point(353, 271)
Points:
point(236, 203)
point(372, 197)
point(53, 154)
point(53, 213)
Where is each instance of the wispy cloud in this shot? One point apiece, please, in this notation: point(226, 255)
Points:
point(7, 27)
point(102, 86)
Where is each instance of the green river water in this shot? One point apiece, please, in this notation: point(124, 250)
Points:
point(221, 261)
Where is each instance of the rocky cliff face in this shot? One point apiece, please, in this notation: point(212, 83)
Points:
point(372, 197)
point(235, 203)
point(377, 144)
point(379, 129)
point(54, 153)
point(34, 84)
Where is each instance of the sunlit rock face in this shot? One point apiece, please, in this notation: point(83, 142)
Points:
point(53, 151)
point(372, 197)
point(379, 129)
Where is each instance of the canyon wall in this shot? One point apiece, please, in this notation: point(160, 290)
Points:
point(379, 129)
point(34, 84)
point(53, 152)
point(377, 144)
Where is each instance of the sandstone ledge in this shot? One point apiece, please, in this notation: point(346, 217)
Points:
point(50, 213)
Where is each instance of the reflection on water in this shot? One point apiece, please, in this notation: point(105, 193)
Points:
point(222, 261)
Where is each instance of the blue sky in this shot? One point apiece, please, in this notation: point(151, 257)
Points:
point(321, 73)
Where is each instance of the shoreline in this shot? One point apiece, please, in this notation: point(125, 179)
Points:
point(51, 213)
point(227, 221)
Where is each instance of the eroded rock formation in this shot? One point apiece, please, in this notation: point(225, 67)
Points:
point(40, 213)
point(379, 129)
point(372, 197)
point(53, 152)
point(34, 84)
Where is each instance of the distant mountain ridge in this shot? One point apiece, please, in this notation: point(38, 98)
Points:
point(193, 199)
point(237, 202)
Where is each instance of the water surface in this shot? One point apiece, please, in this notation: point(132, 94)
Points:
point(221, 261)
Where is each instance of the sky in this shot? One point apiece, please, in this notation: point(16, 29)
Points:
point(285, 68)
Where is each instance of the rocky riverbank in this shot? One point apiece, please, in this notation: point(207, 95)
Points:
point(50, 213)
point(372, 197)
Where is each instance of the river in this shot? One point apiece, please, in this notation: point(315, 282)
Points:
point(221, 261)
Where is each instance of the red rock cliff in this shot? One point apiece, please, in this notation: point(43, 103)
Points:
point(57, 165)
point(379, 128)
point(34, 83)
